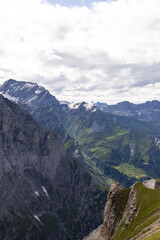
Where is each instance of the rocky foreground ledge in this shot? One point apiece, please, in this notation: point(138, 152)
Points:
point(130, 214)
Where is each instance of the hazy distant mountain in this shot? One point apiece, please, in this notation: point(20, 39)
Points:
point(148, 111)
point(44, 194)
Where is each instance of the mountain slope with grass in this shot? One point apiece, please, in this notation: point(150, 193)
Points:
point(149, 127)
point(129, 216)
point(109, 147)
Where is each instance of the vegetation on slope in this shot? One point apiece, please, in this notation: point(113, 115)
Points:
point(155, 236)
point(122, 148)
point(152, 128)
point(109, 148)
point(148, 205)
point(131, 171)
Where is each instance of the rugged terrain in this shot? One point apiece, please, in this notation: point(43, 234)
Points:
point(45, 194)
point(131, 214)
point(44, 108)
point(121, 154)
point(114, 148)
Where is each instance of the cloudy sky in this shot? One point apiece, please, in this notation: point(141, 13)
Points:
point(83, 50)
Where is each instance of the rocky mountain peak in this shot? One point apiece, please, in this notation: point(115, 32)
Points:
point(28, 93)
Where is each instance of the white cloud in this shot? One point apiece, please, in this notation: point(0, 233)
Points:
point(109, 52)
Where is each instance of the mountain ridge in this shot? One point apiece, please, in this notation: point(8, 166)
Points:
point(114, 148)
point(148, 111)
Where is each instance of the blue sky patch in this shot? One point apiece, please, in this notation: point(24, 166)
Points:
point(74, 2)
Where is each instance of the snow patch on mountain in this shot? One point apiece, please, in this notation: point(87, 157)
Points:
point(45, 191)
point(6, 95)
point(37, 193)
point(38, 91)
point(37, 218)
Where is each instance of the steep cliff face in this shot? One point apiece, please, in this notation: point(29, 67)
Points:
point(114, 209)
point(44, 194)
point(44, 108)
point(37, 101)
point(130, 214)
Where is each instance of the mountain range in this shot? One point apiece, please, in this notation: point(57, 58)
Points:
point(57, 159)
point(148, 111)
point(111, 147)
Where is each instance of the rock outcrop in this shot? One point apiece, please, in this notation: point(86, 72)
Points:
point(152, 183)
point(120, 202)
point(44, 193)
point(111, 219)
point(130, 214)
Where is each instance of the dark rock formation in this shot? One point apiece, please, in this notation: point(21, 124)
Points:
point(44, 108)
point(44, 194)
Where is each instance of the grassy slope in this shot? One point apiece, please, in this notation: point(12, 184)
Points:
point(155, 236)
point(131, 171)
point(124, 150)
point(152, 128)
point(148, 203)
point(109, 148)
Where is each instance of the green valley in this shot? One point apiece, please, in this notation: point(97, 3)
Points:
point(112, 151)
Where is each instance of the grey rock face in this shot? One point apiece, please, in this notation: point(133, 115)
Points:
point(152, 183)
point(29, 93)
point(111, 220)
point(37, 101)
point(47, 118)
point(44, 194)
point(120, 207)
point(130, 209)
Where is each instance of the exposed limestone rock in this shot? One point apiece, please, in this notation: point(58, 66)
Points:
point(110, 219)
point(95, 235)
point(120, 206)
point(152, 184)
point(130, 209)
